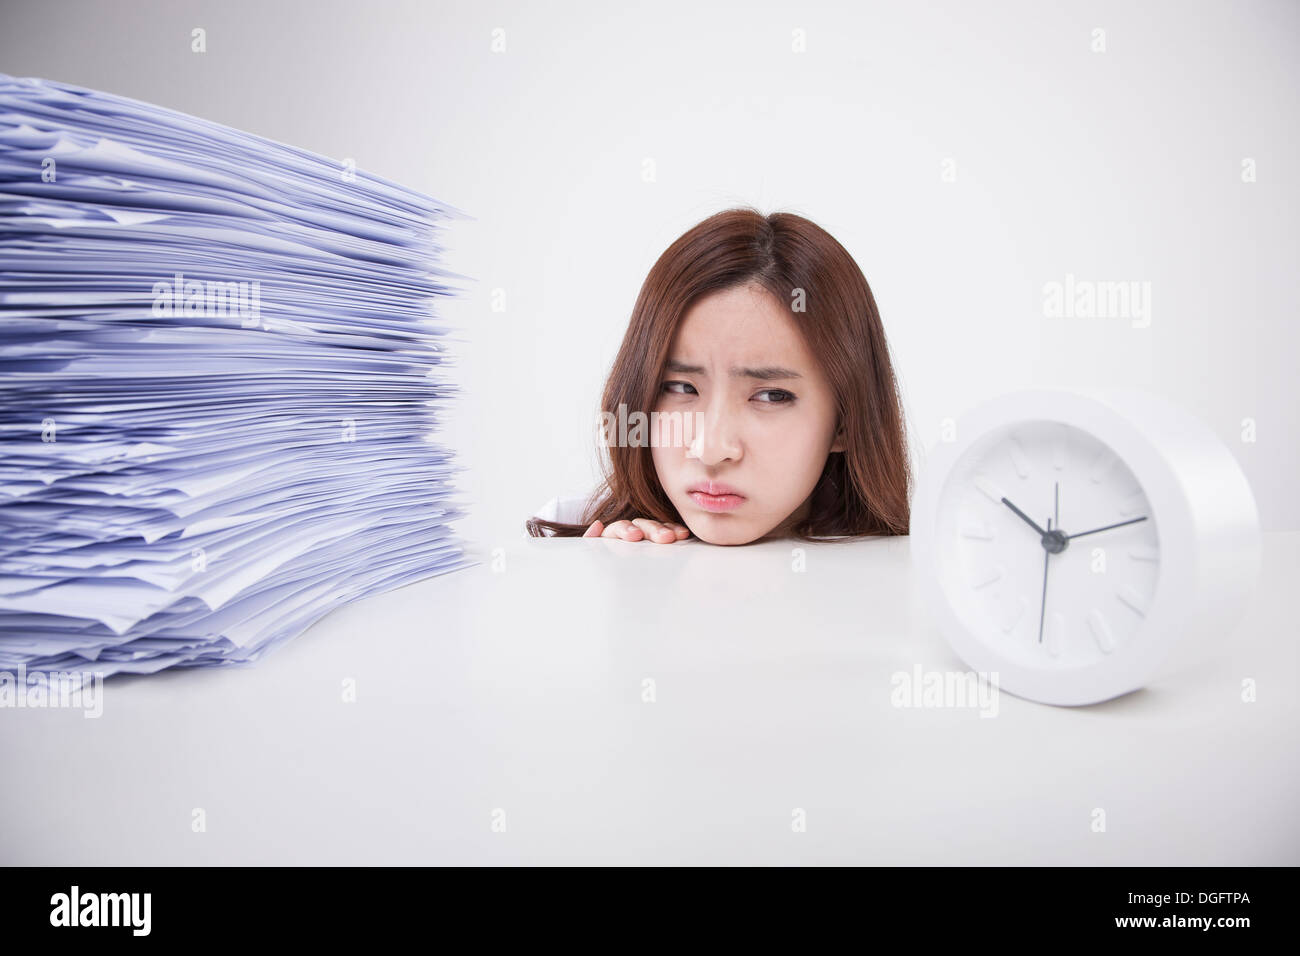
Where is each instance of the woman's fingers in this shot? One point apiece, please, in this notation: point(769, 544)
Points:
point(661, 532)
point(637, 529)
point(653, 530)
point(625, 530)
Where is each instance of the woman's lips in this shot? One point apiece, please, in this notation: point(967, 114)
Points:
point(717, 503)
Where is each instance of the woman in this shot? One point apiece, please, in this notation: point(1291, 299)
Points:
point(756, 348)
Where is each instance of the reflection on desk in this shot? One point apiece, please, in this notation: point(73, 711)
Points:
point(601, 701)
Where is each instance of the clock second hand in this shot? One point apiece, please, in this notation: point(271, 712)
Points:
point(1056, 509)
point(1042, 606)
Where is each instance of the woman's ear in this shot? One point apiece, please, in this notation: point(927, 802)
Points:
point(838, 443)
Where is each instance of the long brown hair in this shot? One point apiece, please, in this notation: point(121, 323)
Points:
point(863, 490)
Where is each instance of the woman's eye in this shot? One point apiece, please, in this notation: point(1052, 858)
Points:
point(777, 396)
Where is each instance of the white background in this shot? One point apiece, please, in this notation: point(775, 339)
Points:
point(1119, 165)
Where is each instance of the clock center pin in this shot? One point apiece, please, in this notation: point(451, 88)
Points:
point(1055, 541)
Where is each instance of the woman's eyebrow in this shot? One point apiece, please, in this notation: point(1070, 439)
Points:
point(766, 374)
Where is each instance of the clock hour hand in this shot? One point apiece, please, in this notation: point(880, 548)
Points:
point(1106, 528)
point(1027, 519)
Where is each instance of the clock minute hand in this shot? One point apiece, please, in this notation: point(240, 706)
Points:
point(1028, 520)
point(1106, 528)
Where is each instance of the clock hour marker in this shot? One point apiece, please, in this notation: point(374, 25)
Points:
point(1018, 458)
point(989, 487)
point(1101, 631)
point(1134, 504)
point(1058, 449)
point(1014, 614)
point(986, 575)
point(1144, 554)
point(1056, 634)
point(974, 528)
point(1132, 599)
point(1100, 467)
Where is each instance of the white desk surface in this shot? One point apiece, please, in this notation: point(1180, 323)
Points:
point(516, 695)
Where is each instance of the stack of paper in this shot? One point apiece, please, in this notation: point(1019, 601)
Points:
point(220, 379)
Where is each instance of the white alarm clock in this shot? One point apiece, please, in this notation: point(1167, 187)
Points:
point(1075, 545)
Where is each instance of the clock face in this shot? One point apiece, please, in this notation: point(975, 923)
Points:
point(1070, 592)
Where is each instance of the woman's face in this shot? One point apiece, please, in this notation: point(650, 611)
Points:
point(754, 414)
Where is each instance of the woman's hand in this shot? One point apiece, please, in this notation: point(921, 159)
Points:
point(660, 532)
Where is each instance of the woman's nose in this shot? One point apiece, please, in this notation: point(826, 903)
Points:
point(715, 438)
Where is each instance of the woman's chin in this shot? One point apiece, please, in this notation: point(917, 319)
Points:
point(711, 530)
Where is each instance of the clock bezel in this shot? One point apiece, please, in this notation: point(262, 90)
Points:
point(1134, 663)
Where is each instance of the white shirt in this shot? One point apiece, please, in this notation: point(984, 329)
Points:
point(565, 508)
